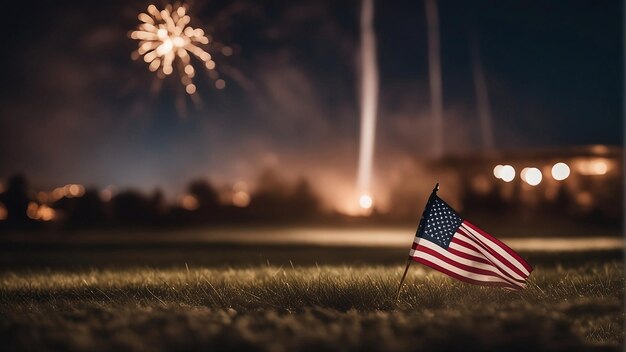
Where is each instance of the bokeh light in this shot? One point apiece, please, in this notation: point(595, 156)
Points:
point(532, 176)
point(365, 201)
point(45, 213)
point(31, 210)
point(560, 171)
point(40, 212)
point(497, 170)
point(241, 199)
point(189, 202)
point(75, 191)
point(595, 167)
point(506, 173)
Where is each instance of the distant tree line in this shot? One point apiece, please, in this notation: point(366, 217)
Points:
point(274, 201)
point(277, 201)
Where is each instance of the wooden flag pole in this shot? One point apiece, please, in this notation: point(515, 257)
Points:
point(421, 224)
point(408, 263)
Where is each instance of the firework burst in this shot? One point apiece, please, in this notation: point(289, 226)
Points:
point(167, 42)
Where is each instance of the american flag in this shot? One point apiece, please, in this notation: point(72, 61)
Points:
point(446, 242)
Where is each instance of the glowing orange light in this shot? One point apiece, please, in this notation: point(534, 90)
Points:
point(241, 199)
point(31, 210)
point(45, 213)
point(3, 212)
point(189, 202)
point(190, 88)
point(595, 167)
point(76, 191)
point(58, 193)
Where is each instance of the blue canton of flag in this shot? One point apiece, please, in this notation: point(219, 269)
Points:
point(441, 222)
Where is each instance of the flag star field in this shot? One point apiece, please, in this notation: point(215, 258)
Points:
point(441, 223)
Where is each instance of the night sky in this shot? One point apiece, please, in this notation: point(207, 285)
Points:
point(74, 107)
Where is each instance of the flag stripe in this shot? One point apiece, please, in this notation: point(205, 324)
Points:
point(469, 265)
point(462, 254)
point(502, 245)
point(462, 263)
point(465, 279)
point(461, 249)
point(461, 237)
point(497, 251)
point(488, 266)
point(459, 274)
point(492, 256)
point(464, 247)
point(436, 250)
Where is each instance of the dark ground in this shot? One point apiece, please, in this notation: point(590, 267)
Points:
point(188, 296)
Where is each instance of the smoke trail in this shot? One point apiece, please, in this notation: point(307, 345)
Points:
point(482, 94)
point(368, 96)
point(434, 71)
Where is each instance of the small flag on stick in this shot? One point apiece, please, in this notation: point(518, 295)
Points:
point(452, 245)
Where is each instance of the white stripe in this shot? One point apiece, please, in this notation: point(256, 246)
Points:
point(464, 249)
point(497, 248)
point(416, 240)
point(503, 267)
point(468, 262)
point(458, 271)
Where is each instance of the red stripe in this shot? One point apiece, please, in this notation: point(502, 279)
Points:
point(469, 256)
point(502, 245)
point(465, 267)
point(503, 261)
point(461, 277)
point(463, 243)
point(491, 251)
point(471, 246)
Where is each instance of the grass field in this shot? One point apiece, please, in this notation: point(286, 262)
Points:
point(288, 298)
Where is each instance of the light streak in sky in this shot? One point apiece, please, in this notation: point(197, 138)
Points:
point(368, 102)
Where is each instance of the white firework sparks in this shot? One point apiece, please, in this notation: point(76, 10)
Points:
point(166, 40)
